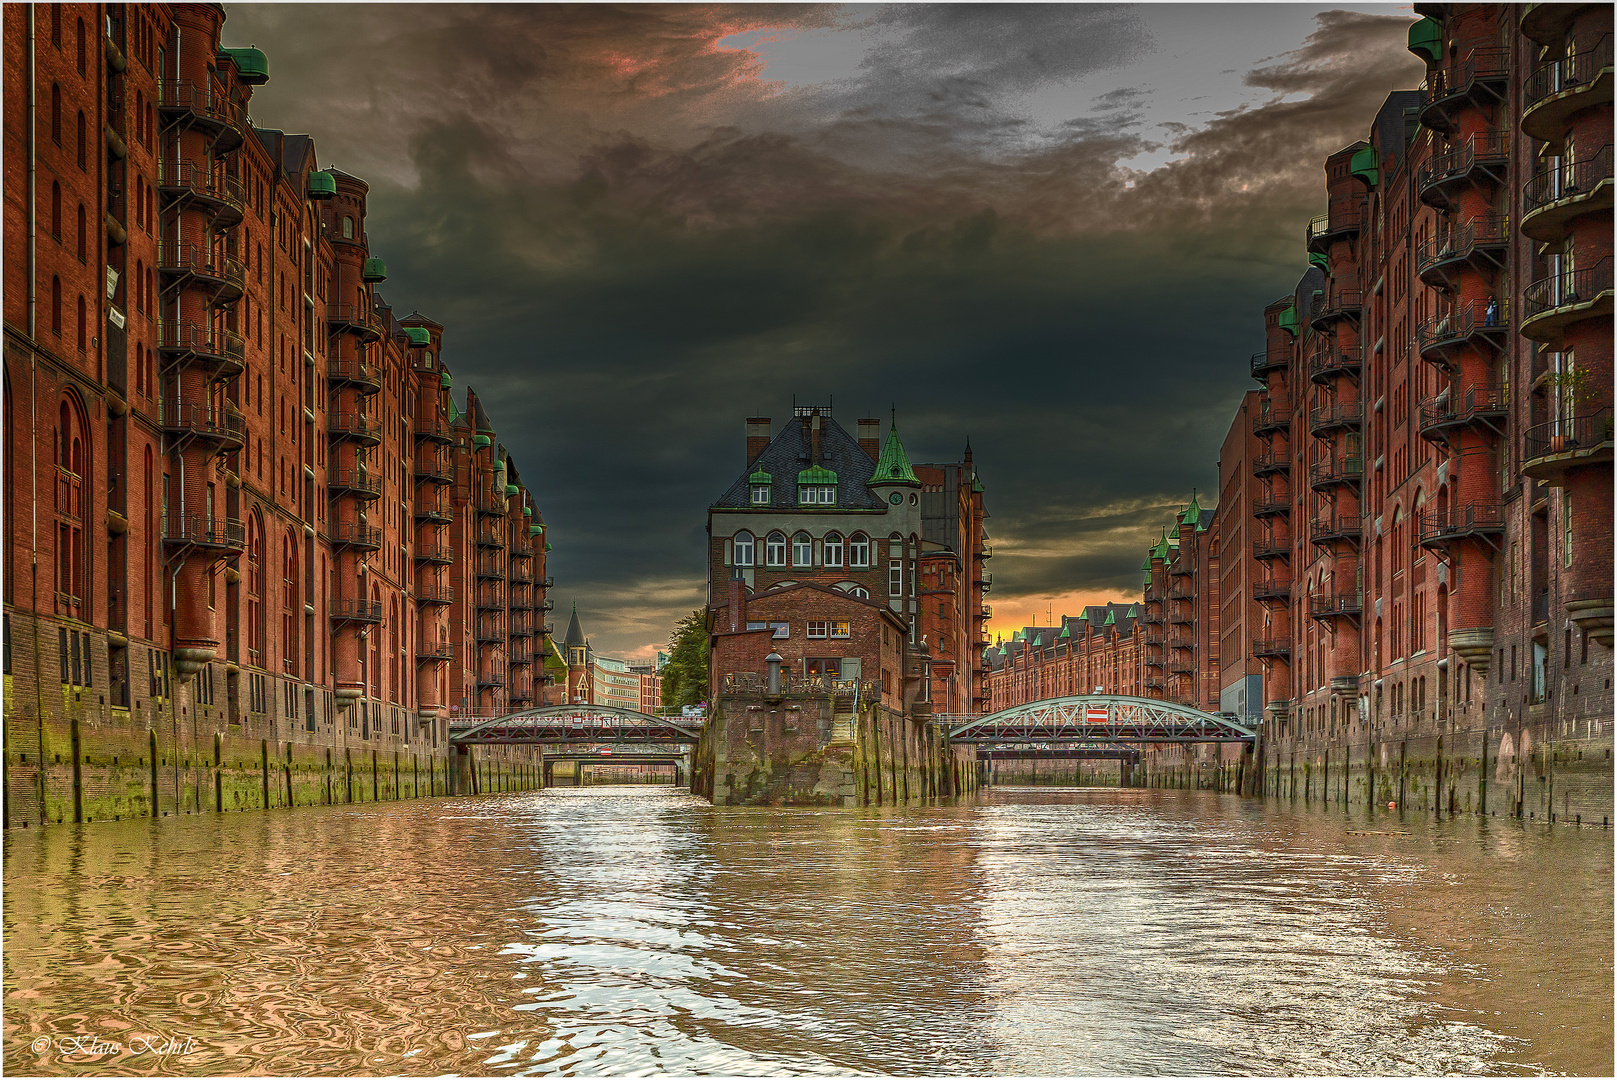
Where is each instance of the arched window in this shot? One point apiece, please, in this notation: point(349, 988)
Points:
point(84, 239)
point(802, 550)
point(393, 648)
point(56, 210)
point(72, 506)
point(81, 47)
point(84, 326)
point(56, 25)
point(291, 605)
point(833, 550)
point(775, 549)
point(140, 285)
point(83, 157)
point(347, 227)
point(374, 676)
point(56, 304)
point(255, 590)
point(743, 549)
point(56, 114)
point(859, 550)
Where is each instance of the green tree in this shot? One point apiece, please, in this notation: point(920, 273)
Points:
point(685, 679)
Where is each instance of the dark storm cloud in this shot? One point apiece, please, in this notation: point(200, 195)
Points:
point(635, 242)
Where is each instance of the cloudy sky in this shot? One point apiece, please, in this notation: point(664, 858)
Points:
point(1049, 228)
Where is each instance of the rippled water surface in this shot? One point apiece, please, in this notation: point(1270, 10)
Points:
point(624, 930)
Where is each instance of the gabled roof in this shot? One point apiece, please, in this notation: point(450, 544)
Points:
point(788, 454)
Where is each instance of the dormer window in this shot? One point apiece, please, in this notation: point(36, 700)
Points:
point(758, 482)
point(817, 487)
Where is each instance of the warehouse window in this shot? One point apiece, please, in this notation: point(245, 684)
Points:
point(775, 550)
point(802, 550)
point(833, 549)
point(743, 548)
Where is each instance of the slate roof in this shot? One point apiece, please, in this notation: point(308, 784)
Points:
point(788, 454)
point(575, 633)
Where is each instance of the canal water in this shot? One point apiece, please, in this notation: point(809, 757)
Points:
point(639, 930)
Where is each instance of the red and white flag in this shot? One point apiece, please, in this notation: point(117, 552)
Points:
point(1096, 714)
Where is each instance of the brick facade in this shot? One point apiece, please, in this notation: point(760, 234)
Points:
point(234, 473)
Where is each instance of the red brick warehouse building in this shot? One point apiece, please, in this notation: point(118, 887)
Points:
point(250, 524)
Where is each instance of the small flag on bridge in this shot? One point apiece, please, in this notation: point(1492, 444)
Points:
point(1096, 714)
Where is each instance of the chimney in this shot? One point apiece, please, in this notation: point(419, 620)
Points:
point(757, 437)
point(816, 425)
point(738, 601)
point(870, 438)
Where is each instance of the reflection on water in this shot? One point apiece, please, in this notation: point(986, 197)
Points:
point(618, 930)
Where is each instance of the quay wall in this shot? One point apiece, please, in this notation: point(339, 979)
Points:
point(71, 756)
point(821, 750)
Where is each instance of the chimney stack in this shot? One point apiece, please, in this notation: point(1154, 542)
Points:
point(816, 425)
point(870, 438)
point(757, 437)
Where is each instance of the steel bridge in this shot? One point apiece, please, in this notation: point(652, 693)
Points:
point(573, 725)
point(1104, 721)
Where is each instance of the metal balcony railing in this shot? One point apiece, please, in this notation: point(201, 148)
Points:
point(223, 195)
point(353, 426)
point(491, 537)
point(1484, 232)
point(1271, 589)
point(1346, 215)
point(355, 482)
point(436, 511)
point(1565, 290)
point(441, 554)
point(200, 101)
point(353, 534)
point(1460, 79)
point(1333, 605)
point(1573, 180)
point(1273, 415)
point(1270, 462)
point(358, 319)
point(1330, 360)
point(177, 259)
point(1486, 151)
point(1450, 410)
point(1271, 505)
point(202, 341)
point(1273, 547)
point(218, 424)
point(436, 594)
point(1337, 304)
point(346, 610)
point(355, 373)
point(1569, 75)
point(1328, 530)
point(434, 650)
point(1341, 414)
point(434, 468)
point(1586, 436)
point(434, 429)
point(1459, 522)
point(1346, 470)
point(1269, 648)
point(1488, 318)
point(204, 530)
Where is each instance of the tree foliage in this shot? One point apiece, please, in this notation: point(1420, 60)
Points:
point(685, 676)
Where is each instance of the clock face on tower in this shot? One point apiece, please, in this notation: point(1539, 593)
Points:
point(895, 498)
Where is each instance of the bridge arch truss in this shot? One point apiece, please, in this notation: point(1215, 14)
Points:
point(569, 724)
point(1098, 718)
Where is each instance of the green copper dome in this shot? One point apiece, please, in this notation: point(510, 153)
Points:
point(893, 467)
point(418, 335)
point(815, 475)
point(322, 185)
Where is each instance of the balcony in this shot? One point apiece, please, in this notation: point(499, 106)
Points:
point(201, 108)
point(1270, 590)
point(1482, 158)
point(490, 599)
point(1479, 80)
point(1181, 667)
point(438, 554)
point(1266, 361)
point(1440, 527)
point(353, 534)
point(356, 319)
point(1180, 617)
point(204, 531)
point(1479, 244)
point(1338, 304)
point(1272, 547)
point(1331, 360)
point(224, 426)
point(490, 679)
point(1183, 592)
point(1324, 475)
point(1346, 217)
point(365, 611)
point(1475, 323)
point(1338, 528)
point(546, 605)
point(1271, 505)
point(489, 634)
point(433, 468)
point(491, 536)
point(1449, 412)
point(521, 574)
point(984, 580)
point(356, 373)
point(492, 505)
point(1550, 305)
point(1335, 417)
point(434, 430)
point(1554, 199)
point(436, 511)
point(215, 194)
point(1274, 415)
point(520, 657)
point(546, 583)
point(194, 264)
point(545, 628)
point(204, 344)
point(355, 482)
point(521, 549)
point(1549, 450)
point(436, 594)
point(1565, 86)
point(1271, 648)
point(1153, 683)
point(520, 603)
point(1150, 618)
point(355, 426)
point(1272, 463)
point(430, 651)
point(521, 627)
point(490, 568)
point(1335, 606)
point(1182, 641)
